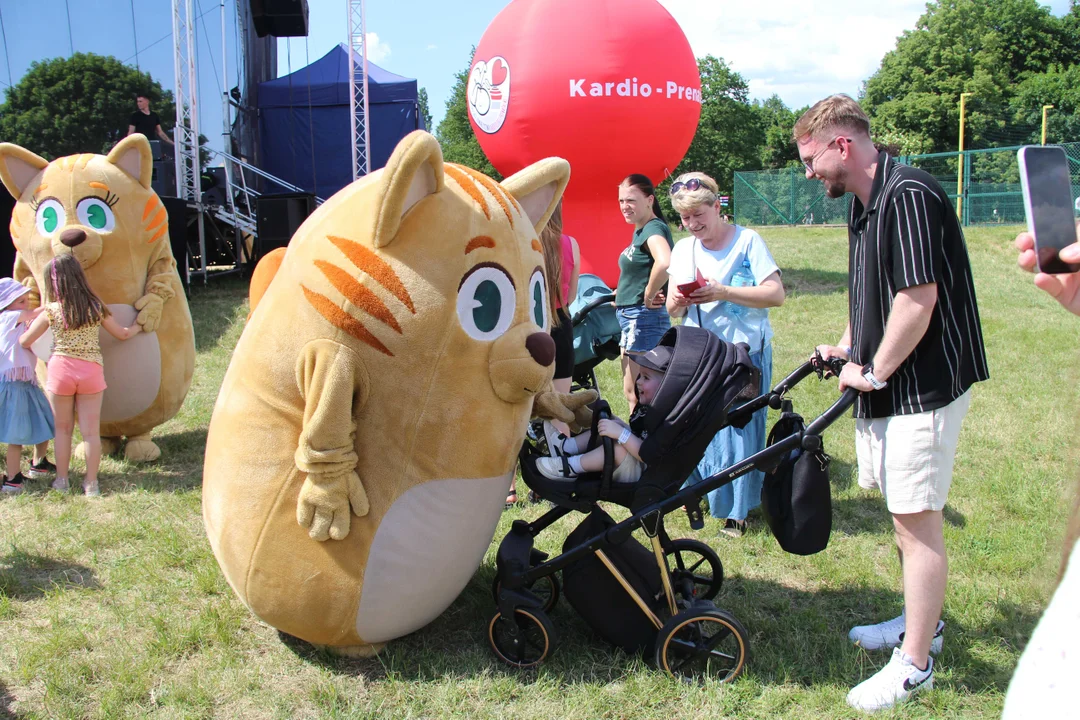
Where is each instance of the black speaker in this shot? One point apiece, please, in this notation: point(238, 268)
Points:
point(177, 210)
point(163, 179)
point(278, 217)
point(213, 186)
point(280, 18)
point(7, 248)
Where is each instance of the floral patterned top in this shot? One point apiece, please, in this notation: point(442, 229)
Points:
point(81, 342)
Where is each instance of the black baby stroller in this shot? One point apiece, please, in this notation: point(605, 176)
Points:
point(656, 599)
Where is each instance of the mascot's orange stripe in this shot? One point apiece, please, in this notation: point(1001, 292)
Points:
point(462, 179)
point(537, 247)
point(161, 231)
point(99, 186)
point(40, 188)
point(478, 242)
point(15, 221)
point(158, 219)
point(495, 191)
point(513, 201)
point(370, 263)
point(341, 319)
point(85, 160)
point(150, 205)
point(357, 294)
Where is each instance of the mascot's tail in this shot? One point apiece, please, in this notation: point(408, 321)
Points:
point(263, 275)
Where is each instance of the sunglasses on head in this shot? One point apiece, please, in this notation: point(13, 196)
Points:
point(690, 185)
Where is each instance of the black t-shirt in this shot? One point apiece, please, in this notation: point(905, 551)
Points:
point(908, 235)
point(145, 123)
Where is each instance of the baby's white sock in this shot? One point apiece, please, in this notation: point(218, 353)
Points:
point(575, 463)
point(570, 446)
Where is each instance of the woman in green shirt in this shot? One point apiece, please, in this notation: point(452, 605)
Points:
point(641, 293)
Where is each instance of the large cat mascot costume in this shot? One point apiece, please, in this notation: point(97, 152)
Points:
point(102, 210)
point(368, 425)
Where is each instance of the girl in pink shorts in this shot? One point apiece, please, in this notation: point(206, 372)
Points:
point(76, 375)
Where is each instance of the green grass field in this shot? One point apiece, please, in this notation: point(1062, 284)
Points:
point(116, 608)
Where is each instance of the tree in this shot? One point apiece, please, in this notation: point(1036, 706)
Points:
point(730, 132)
point(986, 47)
point(77, 104)
point(455, 133)
point(778, 150)
point(425, 111)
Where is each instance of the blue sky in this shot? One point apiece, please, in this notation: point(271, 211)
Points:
point(430, 40)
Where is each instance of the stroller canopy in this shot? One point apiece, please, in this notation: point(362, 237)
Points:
point(703, 378)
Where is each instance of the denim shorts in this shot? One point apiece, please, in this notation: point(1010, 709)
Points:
point(642, 328)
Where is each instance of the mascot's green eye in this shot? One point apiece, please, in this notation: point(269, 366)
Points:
point(486, 302)
point(538, 305)
point(50, 216)
point(95, 213)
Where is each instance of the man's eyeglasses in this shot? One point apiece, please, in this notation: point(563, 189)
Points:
point(690, 186)
point(809, 164)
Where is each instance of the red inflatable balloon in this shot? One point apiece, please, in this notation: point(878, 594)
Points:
point(610, 85)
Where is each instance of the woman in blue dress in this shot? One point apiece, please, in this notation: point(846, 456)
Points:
point(738, 281)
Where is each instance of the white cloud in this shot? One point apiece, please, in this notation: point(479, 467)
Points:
point(377, 50)
point(432, 47)
point(802, 50)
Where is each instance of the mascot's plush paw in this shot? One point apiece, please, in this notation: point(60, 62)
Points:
point(324, 505)
point(567, 407)
point(140, 448)
point(109, 445)
point(149, 307)
point(357, 652)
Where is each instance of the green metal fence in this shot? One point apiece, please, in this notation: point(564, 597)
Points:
point(991, 189)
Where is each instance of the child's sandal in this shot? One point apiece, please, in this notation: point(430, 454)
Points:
point(60, 484)
point(93, 490)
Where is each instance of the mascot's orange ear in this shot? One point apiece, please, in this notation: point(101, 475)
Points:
point(133, 156)
point(414, 171)
point(539, 187)
point(18, 168)
point(264, 273)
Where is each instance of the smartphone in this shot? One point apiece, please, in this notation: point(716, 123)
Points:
point(690, 287)
point(695, 284)
point(1048, 203)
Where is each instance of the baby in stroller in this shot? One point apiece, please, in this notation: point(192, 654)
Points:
point(572, 456)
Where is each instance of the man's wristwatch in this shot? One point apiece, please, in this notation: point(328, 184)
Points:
point(868, 373)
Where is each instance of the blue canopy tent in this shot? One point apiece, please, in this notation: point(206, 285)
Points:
point(304, 121)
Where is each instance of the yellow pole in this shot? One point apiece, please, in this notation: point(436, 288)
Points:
point(1045, 108)
point(960, 160)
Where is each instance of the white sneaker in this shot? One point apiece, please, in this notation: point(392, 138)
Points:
point(890, 634)
point(894, 683)
point(555, 439)
point(552, 468)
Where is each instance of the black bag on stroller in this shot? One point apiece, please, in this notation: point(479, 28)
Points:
point(796, 497)
point(596, 594)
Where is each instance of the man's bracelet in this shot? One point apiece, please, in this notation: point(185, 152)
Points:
point(624, 436)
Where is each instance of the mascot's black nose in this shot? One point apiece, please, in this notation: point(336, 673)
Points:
point(541, 347)
point(72, 237)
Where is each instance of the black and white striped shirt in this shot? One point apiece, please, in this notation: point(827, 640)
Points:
point(908, 235)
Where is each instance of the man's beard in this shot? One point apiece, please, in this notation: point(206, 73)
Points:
point(837, 187)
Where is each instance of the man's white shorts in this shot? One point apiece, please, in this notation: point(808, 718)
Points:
point(910, 457)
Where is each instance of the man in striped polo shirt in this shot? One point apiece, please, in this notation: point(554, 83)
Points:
point(915, 348)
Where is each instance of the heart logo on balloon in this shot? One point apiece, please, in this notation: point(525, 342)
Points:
point(489, 93)
point(498, 72)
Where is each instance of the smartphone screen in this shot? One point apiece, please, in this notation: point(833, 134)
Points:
point(1044, 177)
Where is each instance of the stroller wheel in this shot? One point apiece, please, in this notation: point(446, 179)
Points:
point(696, 562)
point(699, 643)
point(546, 588)
point(524, 642)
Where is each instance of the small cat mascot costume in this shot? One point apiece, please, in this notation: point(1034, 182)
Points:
point(102, 210)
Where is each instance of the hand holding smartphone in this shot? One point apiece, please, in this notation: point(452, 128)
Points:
point(1048, 204)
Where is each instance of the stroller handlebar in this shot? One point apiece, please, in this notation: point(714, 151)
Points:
point(580, 315)
point(812, 435)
